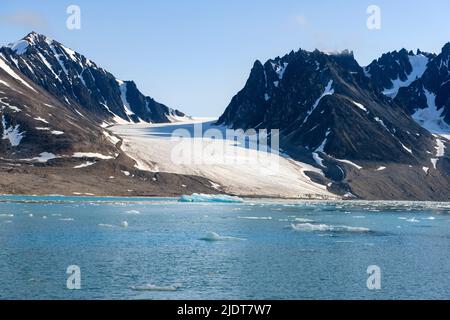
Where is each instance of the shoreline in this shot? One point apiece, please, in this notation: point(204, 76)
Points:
point(248, 198)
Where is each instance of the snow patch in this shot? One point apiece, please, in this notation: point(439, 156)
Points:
point(359, 105)
point(123, 96)
point(91, 155)
point(9, 71)
point(431, 118)
point(85, 165)
point(419, 65)
point(12, 133)
point(328, 91)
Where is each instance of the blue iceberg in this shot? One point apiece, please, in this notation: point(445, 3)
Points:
point(196, 197)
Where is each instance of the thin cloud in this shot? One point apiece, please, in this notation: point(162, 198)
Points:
point(301, 20)
point(27, 19)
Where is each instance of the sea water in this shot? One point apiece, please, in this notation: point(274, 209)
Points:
point(138, 248)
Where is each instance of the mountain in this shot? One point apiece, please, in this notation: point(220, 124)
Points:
point(76, 80)
point(55, 105)
point(340, 116)
point(427, 99)
point(397, 69)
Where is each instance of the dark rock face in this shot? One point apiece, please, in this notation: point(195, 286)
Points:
point(395, 69)
point(330, 109)
point(74, 79)
point(431, 90)
point(312, 97)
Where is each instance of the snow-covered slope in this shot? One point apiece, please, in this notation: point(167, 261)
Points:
point(229, 167)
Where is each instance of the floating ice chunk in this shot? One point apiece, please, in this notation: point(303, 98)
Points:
point(152, 287)
point(255, 218)
point(105, 225)
point(212, 236)
point(8, 215)
point(304, 220)
point(133, 212)
point(326, 228)
point(196, 197)
point(124, 224)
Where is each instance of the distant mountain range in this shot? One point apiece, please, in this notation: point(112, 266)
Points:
point(377, 132)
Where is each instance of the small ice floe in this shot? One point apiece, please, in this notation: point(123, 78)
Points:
point(56, 215)
point(212, 236)
point(31, 215)
point(304, 220)
point(124, 224)
point(196, 197)
point(132, 212)
point(255, 218)
point(308, 227)
point(152, 287)
point(67, 219)
point(430, 218)
point(6, 215)
point(44, 217)
point(359, 217)
point(413, 220)
point(103, 225)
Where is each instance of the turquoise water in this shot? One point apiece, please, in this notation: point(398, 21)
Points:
point(252, 250)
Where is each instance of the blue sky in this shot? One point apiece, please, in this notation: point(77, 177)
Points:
point(195, 55)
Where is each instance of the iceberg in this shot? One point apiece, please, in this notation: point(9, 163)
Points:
point(212, 236)
point(196, 197)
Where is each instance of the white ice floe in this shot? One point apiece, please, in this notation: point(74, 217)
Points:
point(212, 236)
point(381, 168)
point(255, 218)
point(152, 287)
point(104, 225)
point(309, 227)
point(133, 212)
point(196, 197)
